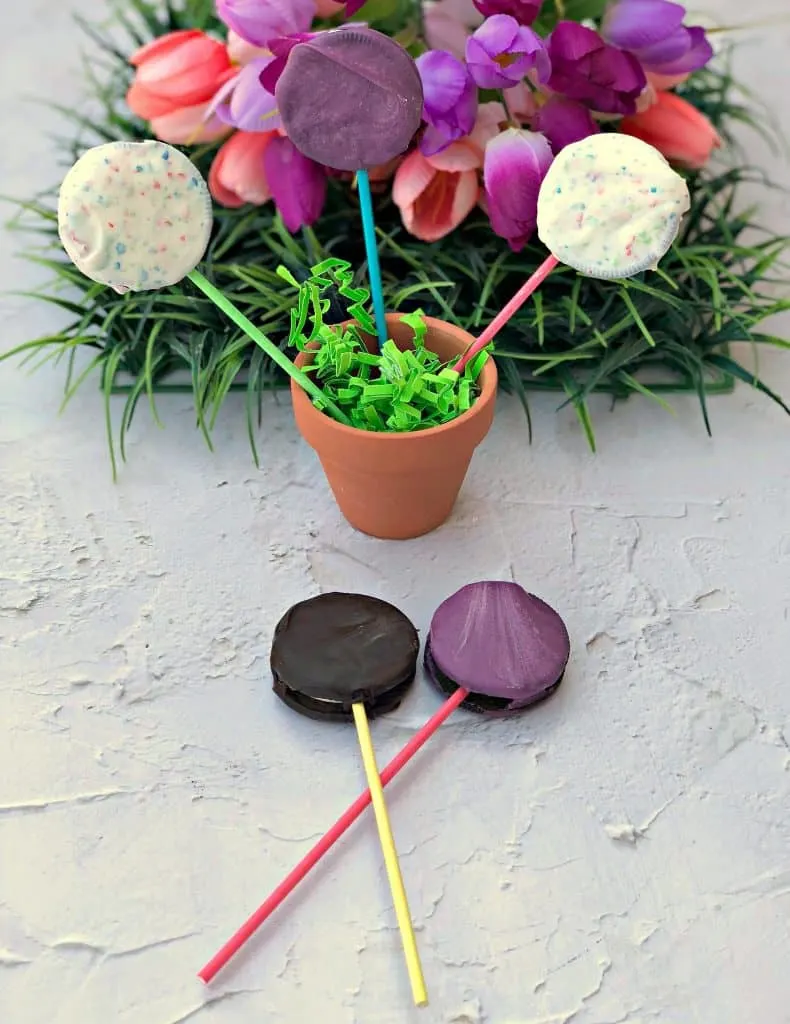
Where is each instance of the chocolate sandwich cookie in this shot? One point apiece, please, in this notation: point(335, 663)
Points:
point(336, 650)
point(507, 647)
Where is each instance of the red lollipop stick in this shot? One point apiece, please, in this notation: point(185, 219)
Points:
point(507, 311)
point(343, 823)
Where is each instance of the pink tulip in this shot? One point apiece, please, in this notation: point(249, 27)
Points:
point(176, 71)
point(189, 126)
point(433, 202)
point(677, 129)
point(516, 162)
point(449, 23)
point(237, 176)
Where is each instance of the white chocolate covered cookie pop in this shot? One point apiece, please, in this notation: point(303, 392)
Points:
point(610, 206)
point(134, 215)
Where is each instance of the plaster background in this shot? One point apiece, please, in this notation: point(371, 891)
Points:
point(619, 854)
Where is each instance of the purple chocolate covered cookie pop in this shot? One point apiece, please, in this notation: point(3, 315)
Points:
point(350, 98)
point(507, 647)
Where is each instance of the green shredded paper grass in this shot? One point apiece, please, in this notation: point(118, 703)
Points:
point(389, 390)
point(649, 335)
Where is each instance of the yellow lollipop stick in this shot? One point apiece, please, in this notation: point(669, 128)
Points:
point(390, 857)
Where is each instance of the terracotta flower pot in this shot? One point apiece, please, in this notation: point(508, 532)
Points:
point(400, 485)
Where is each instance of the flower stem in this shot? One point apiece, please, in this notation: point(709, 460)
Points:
point(420, 12)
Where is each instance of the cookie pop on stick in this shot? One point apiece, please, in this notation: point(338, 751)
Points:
point(495, 649)
point(137, 216)
point(610, 207)
point(369, 111)
point(339, 656)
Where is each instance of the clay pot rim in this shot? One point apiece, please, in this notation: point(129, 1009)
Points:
point(487, 380)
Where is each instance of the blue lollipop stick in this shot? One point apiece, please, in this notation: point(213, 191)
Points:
point(371, 249)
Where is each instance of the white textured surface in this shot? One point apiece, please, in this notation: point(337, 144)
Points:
point(620, 854)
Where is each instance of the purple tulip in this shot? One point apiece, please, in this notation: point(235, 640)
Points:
point(258, 21)
point(524, 11)
point(298, 185)
point(449, 100)
point(585, 68)
point(244, 104)
point(564, 122)
point(515, 164)
point(501, 52)
point(653, 31)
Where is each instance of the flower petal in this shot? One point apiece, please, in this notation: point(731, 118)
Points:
point(699, 54)
point(571, 41)
point(162, 45)
point(221, 96)
point(411, 179)
point(252, 108)
point(466, 195)
point(444, 79)
point(449, 23)
point(447, 201)
point(459, 156)
point(515, 164)
point(668, 49)
point(497, 34)
point(237, 175)
point(524, 11)
point(188, 70)
point(258, 21)
point(564, 121)
point(189, 126)
point(147, 105)
point(490, 120)
point(635, 24)
point(242, 52)
point(433, 141)
point(298, 184)
point(675, 128)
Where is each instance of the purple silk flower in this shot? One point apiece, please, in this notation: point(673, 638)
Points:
point(258, 21)
point(501, 52)
point(564, 122)
point(653, 31)
point(280, 48)
point(515, 164)
point(449, 100)
point(585, 68)
point(298, 184)
point(242, 102)
point(524, 11)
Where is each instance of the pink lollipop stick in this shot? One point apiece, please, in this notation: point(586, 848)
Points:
point(343, 823)
point(507, 311)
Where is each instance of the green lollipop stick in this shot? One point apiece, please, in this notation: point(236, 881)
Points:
point(272, 351)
